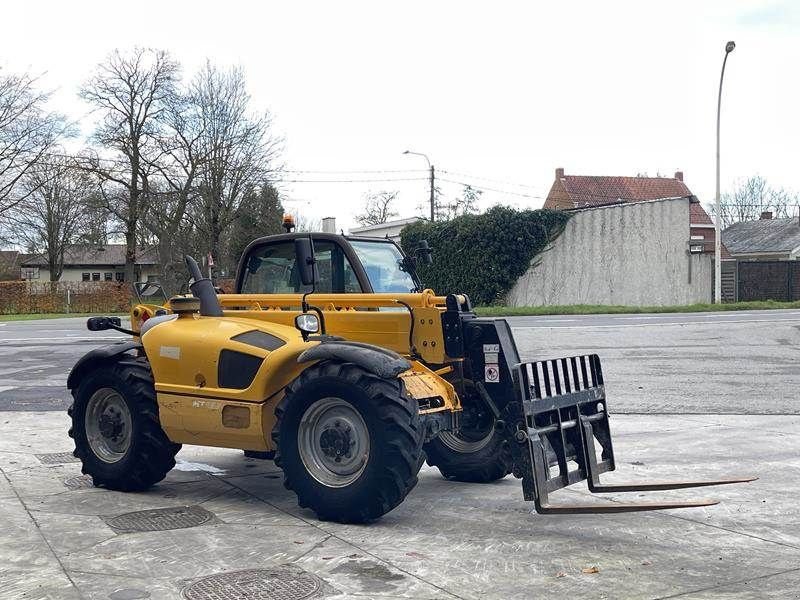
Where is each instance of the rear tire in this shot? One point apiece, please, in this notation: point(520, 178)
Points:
point(116, 429)
point(349, 442)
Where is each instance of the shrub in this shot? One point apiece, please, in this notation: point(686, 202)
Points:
point(25, 297)
point(483, 255)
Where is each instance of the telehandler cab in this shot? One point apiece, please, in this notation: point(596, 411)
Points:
point(332, 359)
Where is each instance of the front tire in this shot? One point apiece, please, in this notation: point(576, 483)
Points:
point(478, 452)
point(116, 429)
point(349, 442)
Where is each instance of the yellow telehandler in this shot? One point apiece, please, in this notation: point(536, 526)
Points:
point(333, 360)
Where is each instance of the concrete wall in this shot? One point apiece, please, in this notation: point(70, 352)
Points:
point(630, 254)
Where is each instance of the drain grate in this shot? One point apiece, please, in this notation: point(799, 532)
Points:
point(57, 458)
point(80, 482)
point(160, 519)
point(255, 584)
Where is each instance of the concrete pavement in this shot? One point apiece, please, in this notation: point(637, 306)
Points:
point(61, 538)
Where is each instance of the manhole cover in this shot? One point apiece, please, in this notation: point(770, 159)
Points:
point(57, 458)
point(255, 584)
point(160, 519)
point(79, 482)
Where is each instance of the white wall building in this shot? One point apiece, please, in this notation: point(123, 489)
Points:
point(390, 229)
point(93, 263)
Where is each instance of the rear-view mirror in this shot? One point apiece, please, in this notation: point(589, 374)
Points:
point(304, 260)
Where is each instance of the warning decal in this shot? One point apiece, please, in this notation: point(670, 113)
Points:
point(492, 373)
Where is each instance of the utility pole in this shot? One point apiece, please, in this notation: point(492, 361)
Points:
point(433, 182)
point(718, 221)
point(433, 199)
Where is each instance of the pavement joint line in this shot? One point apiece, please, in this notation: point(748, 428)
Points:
point(713, 587)
point(41, 535)
point(344, 541)
point(734, 531)
point(652, 324)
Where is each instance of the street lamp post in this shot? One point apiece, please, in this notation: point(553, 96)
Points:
point(718, 221)
point(430, 168)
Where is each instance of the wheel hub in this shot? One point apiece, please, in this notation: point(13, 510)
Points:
point(336, 442)
point(333, 442)
point(108, 425)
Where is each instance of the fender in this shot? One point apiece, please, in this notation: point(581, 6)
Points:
point(379, 361)
point(95, 356)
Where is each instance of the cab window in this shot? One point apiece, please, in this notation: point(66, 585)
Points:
point(383, 263)
point(271, 270)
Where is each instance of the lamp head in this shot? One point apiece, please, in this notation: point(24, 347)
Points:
point(729, 47)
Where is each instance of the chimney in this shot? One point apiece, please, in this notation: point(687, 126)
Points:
point(766, 215)
point(679, 175)
point(329, 225)
point(559, 172)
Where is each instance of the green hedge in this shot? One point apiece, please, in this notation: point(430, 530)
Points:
point(483, 255)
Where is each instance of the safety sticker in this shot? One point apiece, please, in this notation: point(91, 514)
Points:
point(487, 348)
point(492, 373)
point(170, 352)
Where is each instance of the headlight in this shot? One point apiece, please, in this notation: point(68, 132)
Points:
point(307, 323)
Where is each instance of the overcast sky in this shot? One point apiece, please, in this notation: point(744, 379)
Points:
point(500, 90)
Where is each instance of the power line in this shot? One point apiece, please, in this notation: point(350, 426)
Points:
point(351, 180)
point(310, 172)
point(456, 174)
point(488, 189)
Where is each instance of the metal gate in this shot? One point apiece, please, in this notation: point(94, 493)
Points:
point(769, 280)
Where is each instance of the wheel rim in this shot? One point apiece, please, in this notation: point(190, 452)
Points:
point(333, 442)
point(476, 431)
point(108, 425)
point(460, 443)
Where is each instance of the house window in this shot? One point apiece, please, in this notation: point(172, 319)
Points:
point(108, 276)
point(30, 272)
point(120, 276)
point(85, 276)
point(95, 276)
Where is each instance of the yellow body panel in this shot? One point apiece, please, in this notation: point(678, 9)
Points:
point(184, 356)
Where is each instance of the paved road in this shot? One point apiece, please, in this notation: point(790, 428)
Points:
point(737, 363)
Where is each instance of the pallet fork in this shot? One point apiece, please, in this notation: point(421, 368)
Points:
point(561, 421)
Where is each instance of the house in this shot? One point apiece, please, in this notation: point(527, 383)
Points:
point(767, 259)
point(572, 192)
point(93, 263)
point(765, 239)
point(389, 229)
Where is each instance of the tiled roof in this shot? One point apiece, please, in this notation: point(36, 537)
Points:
point(86, 255)
point(698, 215)
point(591, 190)
point(766, 235)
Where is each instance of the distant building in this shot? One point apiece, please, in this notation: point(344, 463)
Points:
point(765, 239)
point(571, 192)
point(390, 229)
point(93, 263)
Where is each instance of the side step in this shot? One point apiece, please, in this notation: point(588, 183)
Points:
point(563, 420)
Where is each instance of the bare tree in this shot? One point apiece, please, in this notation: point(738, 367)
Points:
point(131, 92)
point(239, 150)
point(752, 196)
point(377, 208)
point(466, 204)
point(50, 216)
point(27, 131)
point(174, 187)
point(303, 223)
